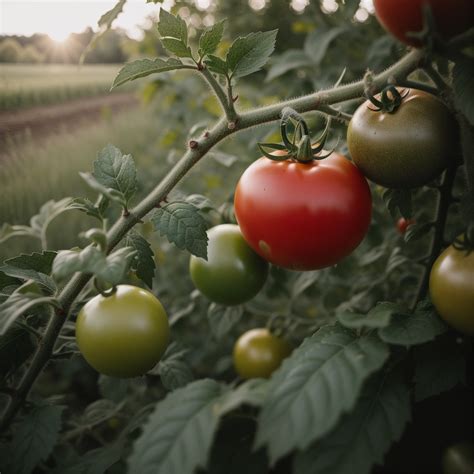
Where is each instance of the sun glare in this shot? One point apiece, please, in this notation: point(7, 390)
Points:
point(59, 35)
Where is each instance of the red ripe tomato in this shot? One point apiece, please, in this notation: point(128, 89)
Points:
point(303, 216)
point(402, 224)
point(402, 16)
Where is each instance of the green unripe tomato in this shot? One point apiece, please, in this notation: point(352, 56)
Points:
point(452, 288)
point(406, 148)
point(258, 353)
point(125, 334)
point(233, 272)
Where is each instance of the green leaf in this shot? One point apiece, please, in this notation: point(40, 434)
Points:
point(399, 201)
point(8, 231)
point(49, 211)
point(314, 386)
point(172, 26)
point(178, 435)
point(16, 345)
point(318, 42)
point(145, 67)
point(210, 39)
point(177, 47)
point(182, 224)
point(108, 193)
point(439, 367)
point(364, 435)
point(18, 304)
point(111, 269)
point(223, 318)
point(288, 61)
point(34, 438)
point(248, 54)
point(37, 262)
point(252, 392)
point(98, 412)
point(411, 329)
point(88, 207)
point(38, 223)
point(173, 368)
point(416, 231)
point(116, 171)
point(108, 17)
point(463, 82)
point(203, 203)
point(378, 317)
point(35, 266)
point(216, 64)
point(144, 261)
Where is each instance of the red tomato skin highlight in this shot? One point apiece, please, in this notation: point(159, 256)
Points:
point(303, 216)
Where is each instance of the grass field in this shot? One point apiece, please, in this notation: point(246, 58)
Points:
point(23, 85)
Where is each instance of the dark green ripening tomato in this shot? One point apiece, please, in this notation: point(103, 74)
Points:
point(400, 17)
point(459, 459)
point(125, 334)
point(303, 216)
point(258, 352)
point(233, 272)
point(452, 288)
point(402, 224)
point(406, 148)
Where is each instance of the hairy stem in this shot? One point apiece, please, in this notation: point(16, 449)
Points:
point(441, 214)
point(66, 297)
point(227, 105)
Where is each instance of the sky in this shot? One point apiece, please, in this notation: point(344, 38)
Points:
point(58, 18)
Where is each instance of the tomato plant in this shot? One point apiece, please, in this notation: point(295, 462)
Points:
point(406, 148)
point(124, 334)
point(452, 288)
point(355, 379)
point(303, 216)
point(401, 17)
point(403, 223)
point(258, 353)
point(233, 272)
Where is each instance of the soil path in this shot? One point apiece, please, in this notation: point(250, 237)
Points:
point(47, 119)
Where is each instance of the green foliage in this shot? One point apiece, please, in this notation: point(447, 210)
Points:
point(145, 67)
point(315, 386)
point(168, 442)
point(341, 399)
point(111, 269)
point(33, 439)
point(377, 420)
point(407, 329)
point(144, 263)
point(248, 54)
point(183, 225)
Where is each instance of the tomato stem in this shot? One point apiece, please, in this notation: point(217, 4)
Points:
point(444, 200)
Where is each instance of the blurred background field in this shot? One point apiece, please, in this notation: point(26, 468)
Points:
point(28, 85)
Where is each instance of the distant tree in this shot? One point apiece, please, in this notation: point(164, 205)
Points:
point(30, 55)
point(10, 51)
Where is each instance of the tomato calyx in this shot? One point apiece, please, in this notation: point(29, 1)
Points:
point(390, 99)
point(297, 144)
point(104, 292)
point(465, 241)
